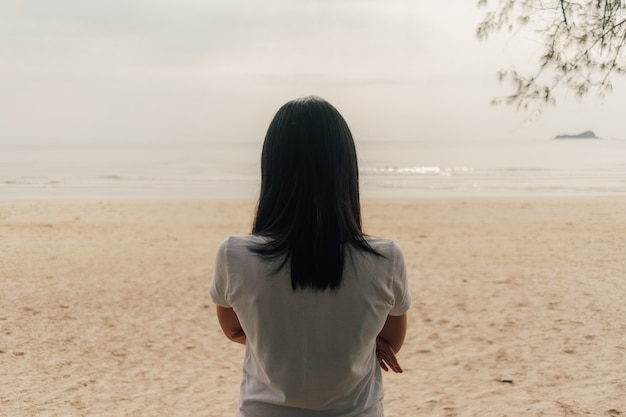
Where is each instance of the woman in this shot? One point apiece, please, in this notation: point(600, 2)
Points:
point(320, 306)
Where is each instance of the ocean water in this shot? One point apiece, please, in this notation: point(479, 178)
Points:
point(217, 170)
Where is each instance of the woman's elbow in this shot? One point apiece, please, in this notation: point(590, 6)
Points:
point(394, 331)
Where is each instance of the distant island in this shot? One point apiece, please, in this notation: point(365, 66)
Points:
point(585, 135)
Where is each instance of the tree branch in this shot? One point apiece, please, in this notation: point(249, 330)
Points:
point(563, 11)
point(584, 45)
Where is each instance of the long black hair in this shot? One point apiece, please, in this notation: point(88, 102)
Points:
point(309, 202)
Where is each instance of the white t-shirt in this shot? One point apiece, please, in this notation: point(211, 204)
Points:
point(310, 353)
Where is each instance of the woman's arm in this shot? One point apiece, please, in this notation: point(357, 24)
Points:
point(389, 342)
point(229, 322)
point(394, 331)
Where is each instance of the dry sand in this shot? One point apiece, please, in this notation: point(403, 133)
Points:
point(104, 309)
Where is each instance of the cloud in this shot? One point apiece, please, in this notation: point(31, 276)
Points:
point(71, 39)
point(364, 38)
point(161, 67)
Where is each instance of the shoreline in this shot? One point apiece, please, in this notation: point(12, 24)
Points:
point(364, 199)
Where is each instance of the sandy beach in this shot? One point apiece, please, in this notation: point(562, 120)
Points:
point(518, 307)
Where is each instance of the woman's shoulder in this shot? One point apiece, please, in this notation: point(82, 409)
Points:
point(239, 242)
point(237, 239)
point(384, 246)
point(239, 249)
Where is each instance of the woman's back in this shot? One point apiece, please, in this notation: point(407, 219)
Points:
point(310, 353)
point(319, 305)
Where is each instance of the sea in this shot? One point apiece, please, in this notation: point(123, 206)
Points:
point(230, 170)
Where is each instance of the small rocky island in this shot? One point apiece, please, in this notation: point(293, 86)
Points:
point(585, 135)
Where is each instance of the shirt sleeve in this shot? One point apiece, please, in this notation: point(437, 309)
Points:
point(399, 284)
point(219, 284)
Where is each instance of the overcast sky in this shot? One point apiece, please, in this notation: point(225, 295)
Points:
point(74, 71)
